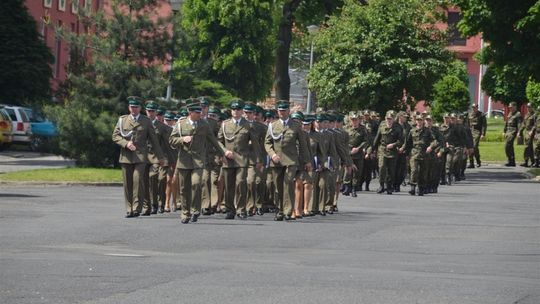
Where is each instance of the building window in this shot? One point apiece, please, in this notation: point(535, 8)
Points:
point(87, 4)
point(47, 3)
point(75, 6)
point(454, 36)
point(62, 5)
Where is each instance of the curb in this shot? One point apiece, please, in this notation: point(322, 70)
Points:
point(91, 184)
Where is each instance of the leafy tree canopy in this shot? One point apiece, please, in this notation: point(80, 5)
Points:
point(371, 55)
point(232, 44)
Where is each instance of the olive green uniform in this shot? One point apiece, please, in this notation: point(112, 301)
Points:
point(255, 178)
point(526, 133)
point(478, 124)
point(156, 176)
point(192, 161)
point(416, 144)
point(141, 132)
point(511, 128)
point(358, 138)
point(211, 173)
point(536, 139)
point(242, 139)
point(387, 156)
point(285, 139)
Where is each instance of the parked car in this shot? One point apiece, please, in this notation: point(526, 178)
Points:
point(22, 130)
point(6, 129)
point(497, 114)
point(42, 129)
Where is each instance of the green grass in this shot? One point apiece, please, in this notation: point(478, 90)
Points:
point(85, 175)
point(494, 130)
point(494, 152)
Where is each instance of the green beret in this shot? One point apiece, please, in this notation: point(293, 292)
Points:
point(283, 105)
point(134, 101)
point(169, 116)
point(236, 104)
point(340, 118)
point(214, 110)
point(205, 100)
point(194, 107)
point(259, 109)
point(330, 117)
point(152, 106)
point(308, 119)
point(222, 116)
point(250, 107)
point(297, 115)
point(161, 111)
point(321, 117)
point(183, 112)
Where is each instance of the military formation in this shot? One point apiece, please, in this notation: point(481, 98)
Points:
point(245, 160)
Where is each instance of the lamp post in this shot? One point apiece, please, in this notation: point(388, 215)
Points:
point(312, 29)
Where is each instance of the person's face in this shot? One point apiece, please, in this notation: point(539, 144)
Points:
point(134, 110)
point(475, 109)
point(151, 114)
point(213, 116)
point(194, 116)
point(249, 115)
point(160, 118)
point(283, 114)
point(389, 121)
point(204, 110)
point(419, 123)
point(447, 120)
point(326, 124)
point(355, 122)
point(237, 113)
point(402, 120)
point(453, 120)
point(429, 123)
point(306, 127)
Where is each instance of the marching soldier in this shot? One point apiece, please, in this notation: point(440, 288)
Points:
point(133, 133)
point(401, 160)
point(241, 144)
point(310, 194)
point(211, 173)
point(525, 132)
point(172, 157)
point(192, 137)
point(254, 176)
point(511, 128)
point(324, 165)
point(387, 143)
point(287, 149)
point(155, 178)
point(358, 144)
point(433, 172)
point(419, 143)
point(478, 123)
point(536, 138)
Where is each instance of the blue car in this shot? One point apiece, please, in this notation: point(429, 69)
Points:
point(42, 129)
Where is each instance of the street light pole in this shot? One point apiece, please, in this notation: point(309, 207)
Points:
point(312, 29)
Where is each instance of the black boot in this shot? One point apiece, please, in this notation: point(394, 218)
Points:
point(389, 189)
point(367, 186)
point(443, 181)
point(413, 190)
point(359, 188)
point(511, 163)
point(449, 182)
point(537, 163)
point(421, 191)
point(435, 189)
point(397, 188)
point(346, 189)
point(381, 188)
point(525, 164)
point(471, 163)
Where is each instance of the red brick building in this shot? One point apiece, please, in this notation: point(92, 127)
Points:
point(50, 14)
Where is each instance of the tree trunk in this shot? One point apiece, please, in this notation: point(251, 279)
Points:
point(282, 82)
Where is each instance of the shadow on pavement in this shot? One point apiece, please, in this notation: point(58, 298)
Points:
point(18, 195)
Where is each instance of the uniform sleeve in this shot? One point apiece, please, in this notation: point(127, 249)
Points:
point(269, 143)
point(255, 145)
point(175, 140)
point(214, 142)
point(154, 141)
point(117, 137)
point(303, 148)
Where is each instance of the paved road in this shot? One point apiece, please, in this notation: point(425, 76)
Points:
point(476, 242)
point(25, 160)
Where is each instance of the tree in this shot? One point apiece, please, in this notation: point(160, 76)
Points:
point(510, 30)
point(533, 93)
point(128, 48)
point(24, 57)
point(231, 44)
point(450, 94)
point(375, 56)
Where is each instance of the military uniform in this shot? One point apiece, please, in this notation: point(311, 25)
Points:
point(285, 140)
point(192, 161)
point(401, 161)
point(387, 135)
point(525, 132)
point(478, 125)
point(156, 177)
point(511, 128)
point(418, 145)
point(255, 185)
point(240, 138)
point(138, 131)
point(536, 138)
point(358, 144)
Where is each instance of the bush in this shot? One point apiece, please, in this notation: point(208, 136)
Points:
point(533, 93)
point(450, 94)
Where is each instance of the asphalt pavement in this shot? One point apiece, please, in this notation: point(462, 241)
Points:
point(25, 160)
point(475, 242)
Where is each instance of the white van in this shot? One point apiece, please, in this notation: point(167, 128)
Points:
point(22, 130)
